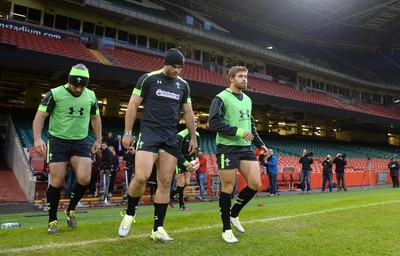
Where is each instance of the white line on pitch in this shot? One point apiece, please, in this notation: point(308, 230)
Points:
point(102, 240)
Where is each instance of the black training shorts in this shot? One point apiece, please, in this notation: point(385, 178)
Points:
point(60, 150)
point(157, 143)
point(232, 160)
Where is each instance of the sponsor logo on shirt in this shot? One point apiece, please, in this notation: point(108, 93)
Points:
point(171, 95)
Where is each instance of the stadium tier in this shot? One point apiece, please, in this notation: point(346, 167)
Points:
point(45, 44)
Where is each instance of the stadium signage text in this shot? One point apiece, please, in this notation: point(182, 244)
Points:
point(41, 32)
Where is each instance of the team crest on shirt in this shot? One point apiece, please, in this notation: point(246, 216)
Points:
point(178, 85)
point(227, 162)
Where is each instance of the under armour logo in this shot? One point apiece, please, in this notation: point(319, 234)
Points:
point(72, 111)
point(177, 85)
point(159, 82)
point(141, 144)
point(79, 80)
point(227, 162)
point(247, 113)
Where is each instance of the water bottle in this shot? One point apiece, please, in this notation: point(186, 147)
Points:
point(10, 225)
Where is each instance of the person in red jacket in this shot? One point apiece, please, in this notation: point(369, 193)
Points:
point(201, 173)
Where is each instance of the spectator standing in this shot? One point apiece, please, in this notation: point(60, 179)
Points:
point(96, 157)
point(394, 167)
point(71, 108)
point(119, 148)
point(272, 170)
point(115, 166)
point(306, 161)
point(201, 173)
point(129, 158)
point(327, 173)
point(340, 162)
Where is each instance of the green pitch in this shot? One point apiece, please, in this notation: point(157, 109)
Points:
point(358, 222)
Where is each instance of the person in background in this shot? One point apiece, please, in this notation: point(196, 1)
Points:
point(306, 161)
point(129, 158)
point(340, 162)
point(394, 167)
point(201, 173)
point(327, 173)
point(96, 157)
point(71, 108)
point(182, 174)
point(70, 182)
point(115, 166)
point(272, 169)
point(119, 148)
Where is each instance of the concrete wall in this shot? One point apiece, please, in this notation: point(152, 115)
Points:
point(17, 161)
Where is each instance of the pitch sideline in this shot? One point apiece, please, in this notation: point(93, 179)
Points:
point(59, 245)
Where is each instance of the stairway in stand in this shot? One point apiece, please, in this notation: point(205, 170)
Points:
point(10, 190)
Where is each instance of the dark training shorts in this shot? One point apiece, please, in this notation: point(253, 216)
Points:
point(157, 144)
point(180, 168)
point(232, 160)
point(60, 150)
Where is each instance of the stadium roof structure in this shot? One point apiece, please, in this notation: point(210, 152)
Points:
point(372, 24)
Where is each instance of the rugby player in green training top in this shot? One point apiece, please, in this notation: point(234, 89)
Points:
point(162, 93)
point(231, 118)
point(71, 107)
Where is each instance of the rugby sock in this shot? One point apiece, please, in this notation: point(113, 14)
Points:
point(132, 203)
point(159, 215)
point(76, 195)
point(243, 198)
point(180, 193)
point(173, 193)
point(224, 208)
point(53, 199)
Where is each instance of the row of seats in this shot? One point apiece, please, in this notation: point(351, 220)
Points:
point(45, 44)
point(148, 62)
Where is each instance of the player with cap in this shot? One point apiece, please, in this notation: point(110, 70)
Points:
point(162, 94)
point(70, 107)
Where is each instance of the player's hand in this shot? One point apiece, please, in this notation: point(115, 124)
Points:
point(190, 168)
point(264, 148)
point(127, 141)
point(40, 147)
point(248, 136)
point(193, 146)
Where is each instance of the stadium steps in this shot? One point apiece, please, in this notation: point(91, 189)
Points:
point(10, 190)
point(100, 57)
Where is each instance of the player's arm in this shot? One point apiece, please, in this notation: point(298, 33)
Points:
point(188, 115)
point(45, 108)
point(37, 127)
point(257, 141)
point(96, 124)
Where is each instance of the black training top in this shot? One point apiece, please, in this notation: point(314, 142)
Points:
point(162, 98)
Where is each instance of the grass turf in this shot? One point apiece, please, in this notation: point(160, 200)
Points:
point(358, 222)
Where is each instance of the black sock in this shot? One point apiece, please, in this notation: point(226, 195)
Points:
point(180, 193)
point(243, 198)
point(76, 195)
point(224, 208)
point(53, 199)
point(173, 193)
point(160, 210)
point(132, 203)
